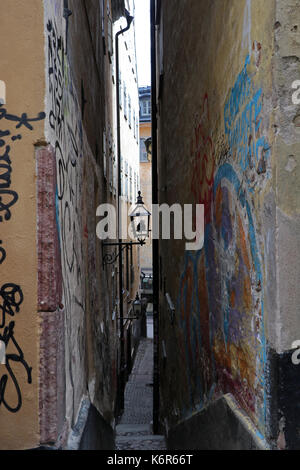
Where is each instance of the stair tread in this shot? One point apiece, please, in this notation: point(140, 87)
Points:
point(133, 437)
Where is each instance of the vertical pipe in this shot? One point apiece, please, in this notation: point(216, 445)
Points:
point(155, 243)
point(121, 387)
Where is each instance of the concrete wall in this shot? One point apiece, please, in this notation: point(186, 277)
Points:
point(284, 327)
point(227, 140)
point(222, 425)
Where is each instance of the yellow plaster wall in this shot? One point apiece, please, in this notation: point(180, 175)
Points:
point(23, 73)
point(146, 189)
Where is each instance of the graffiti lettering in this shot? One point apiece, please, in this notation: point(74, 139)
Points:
point(11, 297)
point(23, 120)
point(65, 121)
point(2, 253)
point(8, 197)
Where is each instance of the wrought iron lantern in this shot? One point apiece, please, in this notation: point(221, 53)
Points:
point(140, 220)
point(140, 226)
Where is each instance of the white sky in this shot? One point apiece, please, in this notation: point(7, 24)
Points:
point(143, 43)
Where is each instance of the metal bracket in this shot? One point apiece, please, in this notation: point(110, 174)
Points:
point(110, 258)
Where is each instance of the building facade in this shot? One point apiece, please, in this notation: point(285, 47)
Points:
point(128, 107)
point(59, 303)
point(145, 168)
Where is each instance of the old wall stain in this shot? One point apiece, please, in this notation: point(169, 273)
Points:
point(222, 148)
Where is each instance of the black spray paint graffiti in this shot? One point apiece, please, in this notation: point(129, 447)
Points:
point(67, 135)
point(11, 297)
point(56, 64)
point(2, 253)
point(64, 119)
point(8, 197)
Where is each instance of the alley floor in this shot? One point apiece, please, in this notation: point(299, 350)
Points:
point(134, 431)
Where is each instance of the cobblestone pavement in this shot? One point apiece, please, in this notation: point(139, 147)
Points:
point(134, 431)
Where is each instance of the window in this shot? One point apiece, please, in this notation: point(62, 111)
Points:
point(138, 188)
point(126, 180)
point(120, 89)
point(122, 177)
point(130, 185)
point(143, 151)
point(135, 186)
point(145, 107)
point(129, 110)
point(125, 99)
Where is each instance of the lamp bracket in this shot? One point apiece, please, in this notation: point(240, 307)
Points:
point(110, 258)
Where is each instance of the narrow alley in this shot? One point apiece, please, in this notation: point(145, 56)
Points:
point(135, 429)
point(149, 226)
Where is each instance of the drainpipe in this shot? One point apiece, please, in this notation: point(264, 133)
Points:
point(122, 351)
point(155, 243)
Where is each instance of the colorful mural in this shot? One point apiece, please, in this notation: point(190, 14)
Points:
point(220, 301)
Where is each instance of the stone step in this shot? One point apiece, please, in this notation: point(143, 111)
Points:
point(133, 428)
point(133, 437)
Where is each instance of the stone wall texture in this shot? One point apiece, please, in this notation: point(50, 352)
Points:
point(229, 140)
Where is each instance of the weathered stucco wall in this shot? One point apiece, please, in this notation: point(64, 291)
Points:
point(22, 126)
point(284, 329)
point(74, 128)
point(225, 117)
point(56, 319)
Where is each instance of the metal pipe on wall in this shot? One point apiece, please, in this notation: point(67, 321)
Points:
point(121, 387)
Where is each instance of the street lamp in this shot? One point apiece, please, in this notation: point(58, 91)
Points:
point(140, 220)
point(140, 226)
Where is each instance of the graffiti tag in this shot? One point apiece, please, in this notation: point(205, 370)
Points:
point(11, 297)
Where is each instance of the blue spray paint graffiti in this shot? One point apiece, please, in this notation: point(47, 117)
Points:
point(242, 119)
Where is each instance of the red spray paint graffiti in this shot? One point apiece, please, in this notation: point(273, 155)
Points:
point(203, 161)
